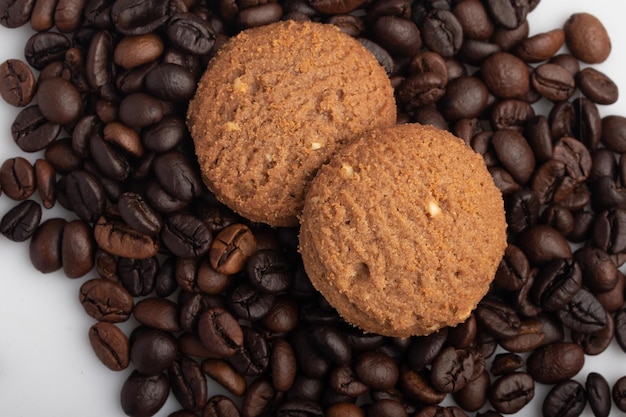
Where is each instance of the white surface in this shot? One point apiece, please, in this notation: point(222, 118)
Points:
point(46, 364)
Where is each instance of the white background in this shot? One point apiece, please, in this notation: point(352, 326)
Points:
point(46, 364)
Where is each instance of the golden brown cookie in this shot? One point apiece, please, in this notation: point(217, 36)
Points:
point(403, 230)
point(274, 104)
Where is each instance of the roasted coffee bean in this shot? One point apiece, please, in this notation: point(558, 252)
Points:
point(511, 114)
point(332, 343)
point(45, 246)
point(119, 239)
point(442, 33)
point(541, 46)
point(508, 38)
point(511, 392)
point(541, 244)
point(106, 300)
point(465, 97)
point(596, 342)
point(614, 133)
point(137, 275)
point(250, 304)
point(170, 82)
point(387, 408)
point(598, 394)
point(607, 194)
point(522, 210)
point(60, 154)
point(259, 399)
point(619, 393)
point(190, 33)
point(529, 337)
point(59, 100)
point(553, 82)
point(505, 363)
point(140, 110)
point(421, 89)
point(224, 374)
point(463, 335)
point(136, 212)
point(32, 132)
point(219, 406)
point(505, 75)
point(597, 86)
point(163, 136)
point(15, 13)
point(144, 395)
point(98, 65)
point(508, 14)
point(587, 38)
point(134, 17)
point(598, 270)
point(344, 381)
point(85, 195)
point(192, 306)
point(397, 35)
point(220, 332)
point(45, 47)
point(188, 383)
point(123, 137)
point(19, 223)
point(381, 55)
point(162, 201)
point(17, 82)
point(110, 345)
point(473, 396)
point(474, 20)
point(259, 15)
point(452, 369)
point(497, 318)
point(584, 313)
point(45, 179)
point(231, 248)
point(588, 127)
point(557, 283)
point(186, 236)
point(311, 362)
point(514, 153)
point(537, 133)
point(567, 399)
point(152, 351)
point(77, 249)
point(344, 409)
point(416, 386)
point(555, 362)
point(336, 7)
point(282, 317)
point(17, 178)
point(134, 51)
point(177, 175)
point(157, 313)
point(269, 271)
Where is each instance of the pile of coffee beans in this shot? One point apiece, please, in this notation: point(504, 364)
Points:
point(103, 87)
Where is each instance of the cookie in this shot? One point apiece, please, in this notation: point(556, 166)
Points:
point(274, 104)
point(403, 230)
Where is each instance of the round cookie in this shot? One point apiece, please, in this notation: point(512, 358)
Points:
point(274, 104)
point(403, 230)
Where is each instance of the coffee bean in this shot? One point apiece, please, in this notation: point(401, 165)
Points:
point(598, 270)
point(19, 223)
point(170, 82)
point(119, 239)
point(220, 332)
point(134, 51)
point(157, 313)
point(555, 362)
point(144, 395)
point(134, 17)
point(557, 283)
point(225, 375)
point(77, 249)
point(597, 86)
point(614, 133)
point(17, 178)
point(45, 47)
point(421, 89)
point(219, 406)
point(541, 46)
point(105, 300)
point(452, 369)
point(598, 394)
point(587, 38)
point(465, 97)
point(250, 304)
point(511, 114)
point(17, 82)
point(269, 271)
point(514, 153)
point(15, 13)
point(140, 110)
point(186, 236)
point(397, 35)
point(509, 14)
point(177, 175)
point(85, 195)
point(498, 318)
point(584, 313)
point(511, 392)
point(588, 125)
point(336, 7)
point(188, 383)
point(45, 245)
point(553, 82)
point(231, 248)
point(505, 75)
point(259, 399)
point(505, 363)
point(541, 244)
point(137, 275)
point(60, 154)
point(136, 212)
point(441, 32)
point(596, 342)
point(59, 100)
point(252, 359)
point(32, 132)
point(110, 345)
point(567, 398)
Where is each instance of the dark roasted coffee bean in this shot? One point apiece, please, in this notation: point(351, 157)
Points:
point(511, 114)
point(162, 201)
point(598, 394)
point(60, 154)
point(250, 304)
point(344, 380)
point(537, 133)
point(282, 317)
point(186, 236)
point(170, 82)
point(584, 313)
point(134, 51)
point(20, 222)
point(514, 153)
point(619, 393)
point(177, 175)
point(77, 249)
point(269, 271)
point(348, 24)
point(259, 15)
point(219, 406)
point(344, 409)
point(220, 332)
point(59, 100)
point(614, 133)
point(566, 399)
point(225, 375)
point(140, 110)
point(32, 132)
point(17, 82)
point(152, 351)
point(157, 313)
point(557, 283)
point(381, 55)
point(15, 13)
point(465, 97)
point(463, 335)
point(555, 362)
point(188, 383)
point(106, 300)
point(553, 82)
point(397, 35)
point(421, 89)
point(136, 212)
point(98, 65)
point(614, 299)
point(598, 270)
point(331, 342)
point(137, 275)
point(260, 398)
point(497, 318)
point(110, 345)
point(505, 363)
point(522, 210)
point(231, 248)
point(596, 342)
point(45, 47)
point(597, 86)
point(541, 244)
point(511, 392)
point(85, 195)
point(283, 365)
point(135, 17)
point(190, 33)
point(588, 126)
point(452, 369)
point(473, 396)
point(508, 14)
point(416, 386)
point(109, 159)
point(17, 178)
point(310, 360)
point(442, 33)
point(144, 395)
point(45, 245)
point(163, 136)
point(386, 408)
point(124, 138)
point(474, 19)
